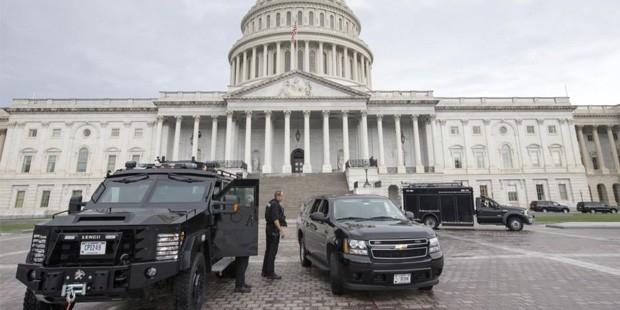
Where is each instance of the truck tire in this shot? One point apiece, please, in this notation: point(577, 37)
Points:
point(431, 221)
point(335, 280)
point(189, 286)
point(514, 223)
point(544, 210)
point(32, 303)
point(565, 211)
point(593, 211)
point(303, 254)
point(613, 211)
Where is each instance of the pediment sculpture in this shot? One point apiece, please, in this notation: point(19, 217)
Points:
point(296, 88)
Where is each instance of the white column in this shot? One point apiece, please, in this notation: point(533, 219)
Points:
point(253, 64)
point(229, 139)
point(2, 138)
point(429, 142)
point(278, 63)
point(570, 124)
point(195, 137)
point(268, 144)
point(347, 67)
point(614, 150)
point(293, 56)
point(307, 57)
point(381, 144)
point(345, 139)
point(232, 71)
point(585, 155)
point(238, 71)
point(286, 168)
point(160, 126)
point(327, 166)
point(365, 151)
point(320, 66)
point(418, 152)
point(366, 72)
point(334, 61)
point(355, 73)
point(265, 60)
point(213, 137)
point(5, 157)
point(400, 166)
point(599, 150)
point(437, 145)
point(543, 145)
point(369, 74)
point(567, 143)
point(177, 138)
point(307, 162)
point(248, 141)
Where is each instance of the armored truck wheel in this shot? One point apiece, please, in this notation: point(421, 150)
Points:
point(189, 286)
point(32, 303)
point(431, 221)
point(334, 275)
point(515, 224)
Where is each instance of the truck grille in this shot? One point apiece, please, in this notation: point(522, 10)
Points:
point(399, 249)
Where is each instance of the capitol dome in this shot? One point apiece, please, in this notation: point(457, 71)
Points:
point(328, 43)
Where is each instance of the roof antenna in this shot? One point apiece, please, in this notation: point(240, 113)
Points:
point(566, 89)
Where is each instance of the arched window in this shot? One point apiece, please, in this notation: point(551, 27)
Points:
point(287, 61)
point(507, 157)
point(311, 19)
point(340, 24)
point(342, 66)
point(289, 19)
point(300, 60)
point(348, 29)
point(322, 19)
point(300, 18)
point(260, 23)
point(82, 162)
point(332, 22)
point(278, 18)
point(257, 66)
point(274, 64)
point(268, 21)
point(253, 26)
point(325, 63)
point(313, 61)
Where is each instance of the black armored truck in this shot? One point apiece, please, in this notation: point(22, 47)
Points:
point(163, 225)
point(453, 204)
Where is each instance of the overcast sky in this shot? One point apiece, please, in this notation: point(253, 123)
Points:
point(135, 48)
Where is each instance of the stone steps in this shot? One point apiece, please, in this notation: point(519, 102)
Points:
point(298, 189)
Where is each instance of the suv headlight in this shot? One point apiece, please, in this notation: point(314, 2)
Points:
point(37, 248)
point(433, 245)
point(355, 247)
point(168, 246)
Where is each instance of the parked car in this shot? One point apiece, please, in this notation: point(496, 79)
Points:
point(548, 206)
point(367, 243)
point(595, 207)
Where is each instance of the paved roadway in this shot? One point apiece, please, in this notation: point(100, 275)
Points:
point(488, 268)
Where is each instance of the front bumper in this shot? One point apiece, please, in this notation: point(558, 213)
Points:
point(101, 282)
point(360, 273)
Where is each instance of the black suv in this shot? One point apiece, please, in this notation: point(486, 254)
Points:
point(144, 226)
point(595, 207)
point(367, 243)
point(548, 206)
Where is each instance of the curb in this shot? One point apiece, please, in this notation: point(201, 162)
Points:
point(582, 225)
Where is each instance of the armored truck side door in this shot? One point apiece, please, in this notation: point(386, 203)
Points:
point(236, 234)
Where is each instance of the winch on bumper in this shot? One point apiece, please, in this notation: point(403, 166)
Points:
point(93, 283)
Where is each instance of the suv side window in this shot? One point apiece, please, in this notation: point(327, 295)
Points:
point(324, 207)
point(315, 206)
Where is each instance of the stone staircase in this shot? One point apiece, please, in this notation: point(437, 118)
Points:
point(298, 188)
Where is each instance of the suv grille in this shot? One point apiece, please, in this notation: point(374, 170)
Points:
point(399, 249)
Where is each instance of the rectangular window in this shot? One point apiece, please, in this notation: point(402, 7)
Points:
point(56, 132)
point(135, 158)
point(557, 158)
point(513, 196)
point(458, 163)
point(115, 132)
point(615, 137)
point(138, 132)
point(454, 130)
point(19, 199)
point(32, 133)
point(531, 130)
point(484, 191)
point(595, 163)
point(111, 163)
point(563, 191)
point(26, 164)
point(480, 162)
point(51, 164)
point(552, 129)
point(535, 158)
point(540, 191)
point(476, 130)
point(76, 193)
point(590, 138)
point(45, 199)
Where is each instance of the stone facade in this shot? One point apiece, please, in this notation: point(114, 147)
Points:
point(302, 118)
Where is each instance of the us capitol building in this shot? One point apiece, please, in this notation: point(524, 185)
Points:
point(310, 107)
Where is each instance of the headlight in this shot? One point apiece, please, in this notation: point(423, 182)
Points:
point(37, 248)
point(355, 247)
point(433, 245)
point(168, 246)
point(525, 212)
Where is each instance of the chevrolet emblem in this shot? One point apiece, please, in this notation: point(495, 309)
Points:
point(400, 247)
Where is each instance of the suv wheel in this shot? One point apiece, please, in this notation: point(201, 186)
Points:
point(593, 211)
point(544, 210)
point(431, 222)
point(334, 275)
point(514, 223)
point(32, 303)
point(613, 211)
point(302, 254)
point(189, 286)
point(565, 211)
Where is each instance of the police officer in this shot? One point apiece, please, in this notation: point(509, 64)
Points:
point(241, 266)
point(276, 221)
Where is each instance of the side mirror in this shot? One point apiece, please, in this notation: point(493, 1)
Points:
point(410, 215)
point(318, 217)
point(75, 204)
point(230, 205)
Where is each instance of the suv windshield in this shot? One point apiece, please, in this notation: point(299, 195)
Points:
point(366, 209)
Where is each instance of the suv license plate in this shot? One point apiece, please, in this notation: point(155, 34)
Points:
point(92, 248)
point(402, 278)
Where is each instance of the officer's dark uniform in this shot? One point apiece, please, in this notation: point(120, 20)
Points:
point(242, 266)
point(273, 212)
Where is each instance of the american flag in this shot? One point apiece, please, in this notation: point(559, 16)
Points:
point(294, 35)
